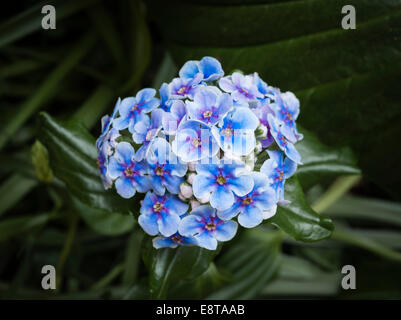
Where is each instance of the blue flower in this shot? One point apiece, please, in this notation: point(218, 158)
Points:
point(252, 206)
point(172, 119)
point(282, 142)
point(203, 224)
point(145, 131)
point(263, 88)
point(165, 101)
point(222, 180)
point(261, 112)
point(242, 88)
point(106, 140)
point(108, 143)
point(209, 105)
point(130, 174)
point(194, 141)
point(209, 67)
point(278, 170)
point(173, 241)
point(237, 133)
point(134, 109)
point(161, 214)
point(101, 163)
point(181, 88)
point(287, 111)
point(165, 171)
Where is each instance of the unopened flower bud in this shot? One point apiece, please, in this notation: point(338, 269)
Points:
point(194, 204)
point(261, 132)
point(191, 177)
point(191, 166)
point(186, 190)
point(258, 147)
point(205, 199)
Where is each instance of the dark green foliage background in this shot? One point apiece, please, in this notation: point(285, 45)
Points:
point(55, 85)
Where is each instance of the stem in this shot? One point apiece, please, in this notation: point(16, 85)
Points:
point(108, 278)
point(66, 248)
point(366, 243)
point(340, 187)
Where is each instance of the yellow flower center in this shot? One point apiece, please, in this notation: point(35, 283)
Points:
point(247, 201)
point(221, 180)
point(207, 114)
point(159, 171)
point(196, 142)
point(157, 207)
point(211, 226)
point(128, 172)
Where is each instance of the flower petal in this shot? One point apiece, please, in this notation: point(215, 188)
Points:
point(250, 217)
point(207, 241)
point(226, 231)
point(168, 224)
point(241, 185)
point(149, 223)
point(124, 187)
point(222, 199)
point(190, 226)
point(202, 185)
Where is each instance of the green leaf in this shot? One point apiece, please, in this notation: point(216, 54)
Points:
point(253, 261)
point(14, 189)
point(321, 162)
point(348, 81)
point(47, 89)
point(30, 20)
point(352, 207)
point(15, 226)
point(298, 219)
point(288, 19)
point(73, 157)
point(104, 222)
point(168, 265)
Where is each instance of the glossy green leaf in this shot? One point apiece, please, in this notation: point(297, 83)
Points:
point(30, 20)
point(260, 23)
point(16, 226)
point(352, 207)
point(298, 219)
point(321, 162)
point(348, 81)
point(253, 261)
point(104, 222)
point(168, 265)
point(73, 157)
point(14, 189)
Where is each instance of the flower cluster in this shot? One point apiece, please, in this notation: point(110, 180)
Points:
point(194, 151)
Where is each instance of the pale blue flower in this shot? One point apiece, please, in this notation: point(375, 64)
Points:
point(282, 142)
point(145, 131)
point(173, 241)
point(165, 170)
point(252, 206)
point(203, 224)
point(194, 141)
point(237, 133)
point(181, 88)
point(129, 173)
point(287, 110)
point(209, 68)
point(172, 119)
point(242, 88)
point(222, 180)
point(278, 170)
point(134, 109)
point(161, 214)
point(209, 105)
